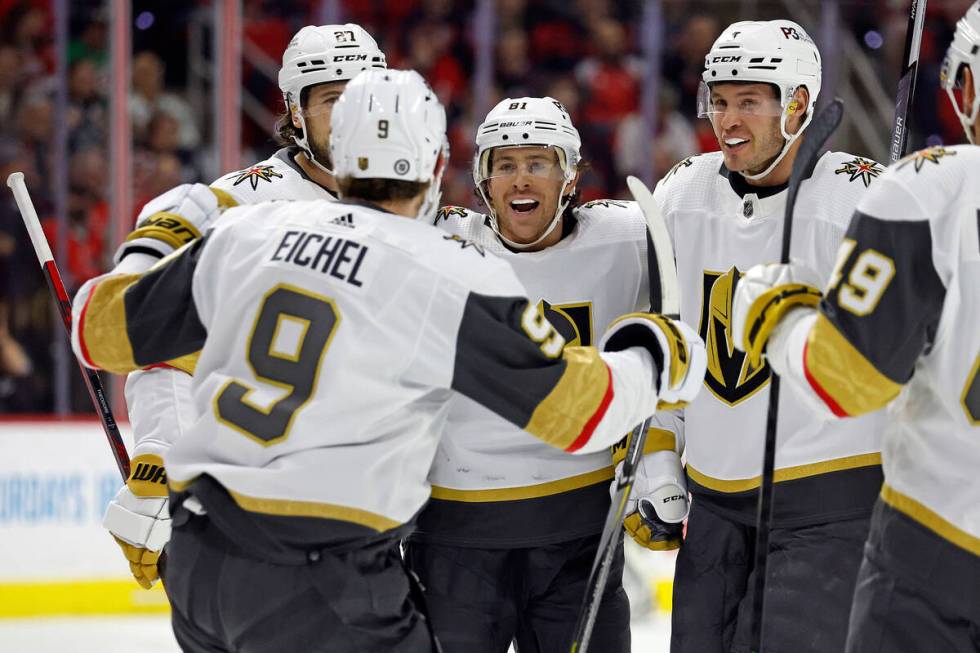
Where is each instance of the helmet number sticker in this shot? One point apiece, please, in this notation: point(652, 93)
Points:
point(382, 129)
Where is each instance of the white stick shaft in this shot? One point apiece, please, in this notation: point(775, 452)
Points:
point(669, 289)
point(27, 212)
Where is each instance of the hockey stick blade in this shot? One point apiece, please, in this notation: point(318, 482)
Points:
point(51, 274)
point(817, 134)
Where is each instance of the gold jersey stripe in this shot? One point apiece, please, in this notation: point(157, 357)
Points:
point(657, 440)
point(102, 325)
point(186, 363)
point(785, 473)
point(524, 492)
point(562, 416)
point(225, 200)
point(291, 508)
point(931, 520)
point(847, 381)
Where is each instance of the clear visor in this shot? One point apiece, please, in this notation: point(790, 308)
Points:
point(952, 79)
point(736, 100)
point(507, 164)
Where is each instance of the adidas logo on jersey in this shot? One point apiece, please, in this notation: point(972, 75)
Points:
point(346, 220)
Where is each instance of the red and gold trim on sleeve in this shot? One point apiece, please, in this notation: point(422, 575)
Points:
point(841, 376)
point(569, 414)
point(102, 334)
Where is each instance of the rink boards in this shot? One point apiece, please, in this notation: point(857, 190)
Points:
point(56, 478)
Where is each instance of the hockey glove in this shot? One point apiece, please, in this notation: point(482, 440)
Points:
point(174, 219)
point(677, 351)
point(139, 518)
point(765, 294)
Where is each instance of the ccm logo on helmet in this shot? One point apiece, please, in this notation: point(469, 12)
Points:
point(674, 497)
point(350, 57)
point(726, 59)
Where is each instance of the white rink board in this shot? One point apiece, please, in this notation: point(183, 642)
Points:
point(55, 481)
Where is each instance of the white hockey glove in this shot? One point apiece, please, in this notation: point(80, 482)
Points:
point(677, 350)
point(173, 219)
point(765, 294)
point(139, 518)
point(658, 504)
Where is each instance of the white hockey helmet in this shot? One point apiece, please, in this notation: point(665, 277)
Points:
point(963, 53)
point(522, 122)
point(324, 53)
point(389, 124)
point(777, 52)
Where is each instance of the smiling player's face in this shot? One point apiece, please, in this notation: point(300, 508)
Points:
point(524, 187)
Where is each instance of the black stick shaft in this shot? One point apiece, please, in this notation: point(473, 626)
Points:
point(823, 125)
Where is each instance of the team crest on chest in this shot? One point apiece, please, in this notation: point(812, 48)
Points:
point(860, 168)
point(573, 321)
point(931, 154)
point(256, 173)
point(730, 376)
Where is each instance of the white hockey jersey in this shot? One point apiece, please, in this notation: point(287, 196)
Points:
point(899, 327)
point(333, 336)
point(158, 400)
point(720, 227)
point(492, 483)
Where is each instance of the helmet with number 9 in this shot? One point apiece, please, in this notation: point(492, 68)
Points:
point(521, 122)
point(389, 124)
point(323, 53)
point(963, 54)
point(777, 52)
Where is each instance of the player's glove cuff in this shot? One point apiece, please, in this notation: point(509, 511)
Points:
point(651, 533)
point(677, 351)
point(765, 294)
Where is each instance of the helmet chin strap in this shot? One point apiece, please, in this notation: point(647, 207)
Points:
point(788, 140)
point(495, 225)
point(304, 143)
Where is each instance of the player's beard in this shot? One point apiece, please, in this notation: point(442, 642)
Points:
point(319, 147)
point(771, 144)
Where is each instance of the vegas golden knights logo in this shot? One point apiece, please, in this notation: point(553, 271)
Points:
point(572, 321)
point(730, 376)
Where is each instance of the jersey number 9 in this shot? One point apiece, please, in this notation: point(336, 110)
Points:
point(290, 336)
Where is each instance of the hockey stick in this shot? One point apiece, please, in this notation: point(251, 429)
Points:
point(906, 83)
point(824, 124)
point(663, 292)
point(92, 383)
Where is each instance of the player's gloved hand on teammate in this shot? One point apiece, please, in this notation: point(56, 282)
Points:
point(764, 295)
point(658, 505)
point(677, 350)
point(139, 518)
point(173, 219)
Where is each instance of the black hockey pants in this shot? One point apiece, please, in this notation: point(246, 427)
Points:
point(224, 600)
point(480, 600)
point(809, 586)
point(915, 592)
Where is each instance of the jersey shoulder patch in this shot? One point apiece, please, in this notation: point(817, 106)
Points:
point(930, 156)
point(859, 169)
point(272, 179)
point(447, 213)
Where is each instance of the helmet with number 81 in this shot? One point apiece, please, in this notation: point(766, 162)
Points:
point(502, 153)
point(389, 125)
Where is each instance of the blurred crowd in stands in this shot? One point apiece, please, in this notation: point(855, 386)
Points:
point(585, 53)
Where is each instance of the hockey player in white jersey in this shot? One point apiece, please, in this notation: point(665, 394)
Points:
point(332, 335)
point(898, 327)
point(506, 543)
point(315, 68)
point(725, 212)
